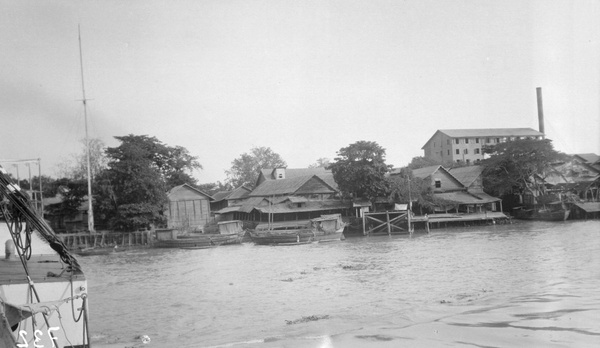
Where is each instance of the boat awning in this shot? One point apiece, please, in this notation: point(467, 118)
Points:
point(400, 206)
point(589, 207)
point(462, 197)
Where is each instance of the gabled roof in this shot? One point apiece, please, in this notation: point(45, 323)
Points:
point(290, 173)
point(424, 172)
point(269, 173)
point(466, 175)
point(589, 158)
point(287, 186)
point(463, 197)
point(486, 132)
point(238, 193)
point(221, 195)
point(188, 187)
point(310, 206)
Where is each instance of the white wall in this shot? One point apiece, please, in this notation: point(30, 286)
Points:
point(38, 247)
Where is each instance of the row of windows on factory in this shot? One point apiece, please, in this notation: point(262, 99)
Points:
point(465, 151)
point(487, 140)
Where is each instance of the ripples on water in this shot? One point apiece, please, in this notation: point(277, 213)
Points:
point(521, 285)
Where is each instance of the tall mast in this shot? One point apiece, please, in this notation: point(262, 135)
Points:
point(87, 142)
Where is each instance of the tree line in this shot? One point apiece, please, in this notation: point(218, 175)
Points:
point(130, 181)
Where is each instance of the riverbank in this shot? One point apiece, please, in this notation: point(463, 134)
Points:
point(527, 283)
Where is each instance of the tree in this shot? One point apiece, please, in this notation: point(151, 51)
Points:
point(320, 163)
point(245, 169)
point(519, 165)
point(76, 166)
point(131, 193)
point(179, 167)
point(421, 162)
point(404, 188)
point(213, 187)
point(73, 192)
point(359, 170)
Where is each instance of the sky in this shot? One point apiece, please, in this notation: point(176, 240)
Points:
point(305, 78)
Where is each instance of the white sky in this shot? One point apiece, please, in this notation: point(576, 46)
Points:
point(304, 78)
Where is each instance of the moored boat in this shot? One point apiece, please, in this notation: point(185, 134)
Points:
point(96, 251)
point(326, 228)
point(550, 212)
point(282, 234)
point(230, 232)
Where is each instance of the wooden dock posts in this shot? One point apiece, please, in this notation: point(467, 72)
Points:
point(124, 239)
point(391, 222)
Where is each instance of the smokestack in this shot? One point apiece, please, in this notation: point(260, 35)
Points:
point(540, 109)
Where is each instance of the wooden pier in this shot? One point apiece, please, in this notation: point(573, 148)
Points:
point(124, 239)
point(388, 222)
point(401, 222)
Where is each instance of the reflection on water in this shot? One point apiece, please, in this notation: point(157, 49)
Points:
point(526, 284)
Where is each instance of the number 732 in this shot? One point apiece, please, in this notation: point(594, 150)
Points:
point(37, 334)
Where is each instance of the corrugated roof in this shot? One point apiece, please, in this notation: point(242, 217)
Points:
point(188, 187)
point(466, 175)
point(590, 158)
point(487, 132)
point(228, 210)
point(310, 206)
point(463, 197)
point(291, 173)
point(251, 202)
point(485, 197)
point(424, 172)
point(239, 193)
point(285, 186)
point(491, 132)
point(294, 172)
point(577, 186)
point(221, 195)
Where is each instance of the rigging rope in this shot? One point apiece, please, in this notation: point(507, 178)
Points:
point(21, 211)
point(16, 209)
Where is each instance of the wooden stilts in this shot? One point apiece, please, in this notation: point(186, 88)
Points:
point(387, 220)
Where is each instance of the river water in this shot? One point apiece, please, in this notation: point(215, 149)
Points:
point(528, 284)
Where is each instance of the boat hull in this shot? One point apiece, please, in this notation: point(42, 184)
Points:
point(290, 237)
point(335, 236)
point(542, 215)
point(200, 241)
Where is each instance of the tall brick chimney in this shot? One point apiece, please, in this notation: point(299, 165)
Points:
point(540, 110)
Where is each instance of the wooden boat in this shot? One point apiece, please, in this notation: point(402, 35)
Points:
point(230, 232)
point(551, 212)
point(96, 251)
point(323, 229)
point(328, 228)
point(39, 278)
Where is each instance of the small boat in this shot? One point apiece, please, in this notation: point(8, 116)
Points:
point(326, 228)
point(282, 235)
point(96, 251)
point(550, 212)
point(230, 232)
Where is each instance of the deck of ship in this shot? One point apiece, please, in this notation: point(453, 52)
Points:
point(41, 268)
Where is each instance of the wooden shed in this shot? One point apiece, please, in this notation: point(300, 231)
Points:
point(188, 208)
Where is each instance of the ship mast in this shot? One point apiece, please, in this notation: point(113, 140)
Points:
point(87, 143)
